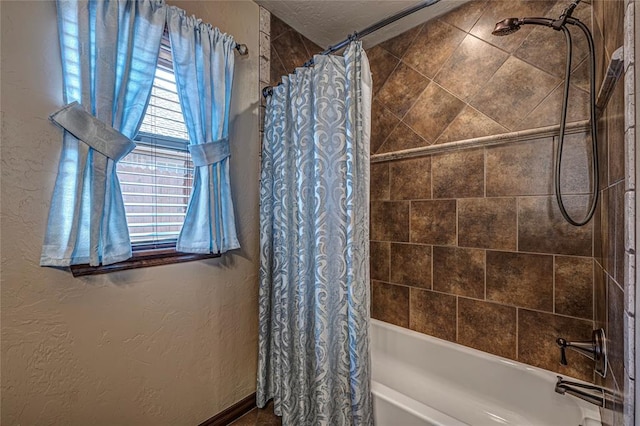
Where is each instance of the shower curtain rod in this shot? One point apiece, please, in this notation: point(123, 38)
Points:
point(357, 35)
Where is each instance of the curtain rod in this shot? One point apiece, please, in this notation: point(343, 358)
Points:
point(242, 49)
point(357, 35)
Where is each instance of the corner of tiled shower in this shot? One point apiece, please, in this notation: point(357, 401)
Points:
point(619, 203)
point(630, 218)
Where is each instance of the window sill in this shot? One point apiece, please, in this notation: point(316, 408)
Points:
point(141, 259)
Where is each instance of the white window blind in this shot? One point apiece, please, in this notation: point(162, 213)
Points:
point(156, 177)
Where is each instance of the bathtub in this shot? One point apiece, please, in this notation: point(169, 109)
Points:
point(418, 380)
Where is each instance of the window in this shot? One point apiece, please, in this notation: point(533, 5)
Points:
point(156, 177)
point(89, 224)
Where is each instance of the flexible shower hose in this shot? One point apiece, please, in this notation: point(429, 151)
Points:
point(563, 122)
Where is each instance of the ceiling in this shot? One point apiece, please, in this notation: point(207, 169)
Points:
point(327, 22)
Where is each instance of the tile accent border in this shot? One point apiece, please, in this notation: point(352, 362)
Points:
point(504, 138)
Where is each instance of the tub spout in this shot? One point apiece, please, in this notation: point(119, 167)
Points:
point(592, 394)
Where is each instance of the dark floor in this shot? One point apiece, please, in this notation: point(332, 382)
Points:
point(259, 416)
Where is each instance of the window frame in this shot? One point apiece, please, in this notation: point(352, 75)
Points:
point(142, 259)
point(147, 254)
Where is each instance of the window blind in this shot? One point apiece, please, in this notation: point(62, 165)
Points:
point(156, 177)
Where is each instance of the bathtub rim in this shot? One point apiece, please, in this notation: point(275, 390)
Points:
point(588, 410)
point(413, 407)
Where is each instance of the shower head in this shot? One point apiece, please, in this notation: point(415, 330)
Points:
point(506, 27)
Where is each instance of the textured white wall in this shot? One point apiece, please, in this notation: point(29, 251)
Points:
point(169, 345)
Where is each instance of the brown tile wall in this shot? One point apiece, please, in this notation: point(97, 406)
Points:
point(518, 274)
point(289, 49)
point(449, 79)
point(282, 50)
point(613, 283)
point(469, 246)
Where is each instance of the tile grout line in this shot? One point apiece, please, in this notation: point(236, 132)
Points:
point(410, 215)
point(517, 332)
point(457, 319)
point(485, 274)
point(409, 308)
point(389, 259)
point(553, 281)
point(432, 267)
point(493, 302)
point(466, 33)
point(408, 46)
point(457, 225)
point(517, 224)
point(431, 175)
point(394, 127)
point(593, 292)
point(484, 166)
point(413, 104)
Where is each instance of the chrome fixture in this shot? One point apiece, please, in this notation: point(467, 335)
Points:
point(590, 393)
point(510, 26)
point(595, 349)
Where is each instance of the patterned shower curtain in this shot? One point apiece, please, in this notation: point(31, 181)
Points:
point(314, 241)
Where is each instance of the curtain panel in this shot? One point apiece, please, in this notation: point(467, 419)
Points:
point(109, 56)
point(109, 53)
point(314, 240)
point(203, 62)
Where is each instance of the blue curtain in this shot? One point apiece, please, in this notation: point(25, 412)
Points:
point(203, 61)
point(314, 241)
point(109, 54)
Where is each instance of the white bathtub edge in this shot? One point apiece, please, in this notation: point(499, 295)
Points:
point(474, 352)
point(590, 413)
point(412, 406)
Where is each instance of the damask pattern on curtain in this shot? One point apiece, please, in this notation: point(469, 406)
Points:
point(314, 239)
point(203, 61)
point(109, 54)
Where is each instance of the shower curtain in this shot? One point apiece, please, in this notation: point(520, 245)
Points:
point(314, 242)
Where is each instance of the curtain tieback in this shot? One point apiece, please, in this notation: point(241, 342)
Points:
point(97, 134)
point(210, 152)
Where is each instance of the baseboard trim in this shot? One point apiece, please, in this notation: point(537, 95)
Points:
point(232, 413)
